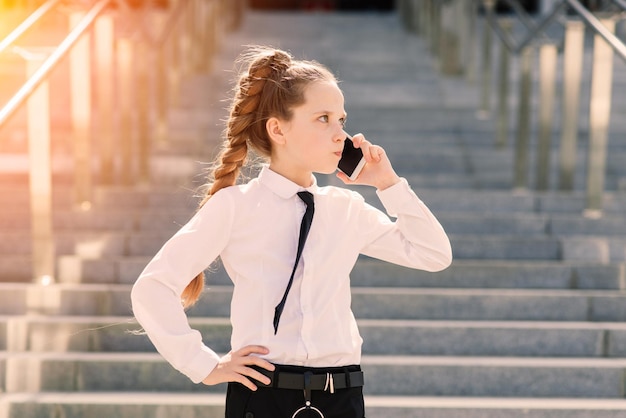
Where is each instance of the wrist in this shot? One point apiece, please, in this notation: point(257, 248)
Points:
point(387, 182)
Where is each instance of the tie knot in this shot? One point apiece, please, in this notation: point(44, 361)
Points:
point(306, 197)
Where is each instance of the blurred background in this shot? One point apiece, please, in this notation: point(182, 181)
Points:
point(508, 119)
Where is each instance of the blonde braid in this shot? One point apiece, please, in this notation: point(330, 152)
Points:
point(242, 129)
point(271, 86)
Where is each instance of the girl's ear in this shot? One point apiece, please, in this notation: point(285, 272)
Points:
point(275, 131)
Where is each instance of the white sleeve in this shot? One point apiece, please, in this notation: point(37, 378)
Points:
point(156, 296)
point(415, 239)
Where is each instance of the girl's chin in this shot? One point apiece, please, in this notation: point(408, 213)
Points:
point(329, 170)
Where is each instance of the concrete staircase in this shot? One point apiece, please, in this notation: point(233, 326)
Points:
point(529, 321)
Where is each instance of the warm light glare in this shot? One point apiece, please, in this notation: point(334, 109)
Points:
point(85, 206)
point(46, 280)
point(10, 18)
point(4, 30)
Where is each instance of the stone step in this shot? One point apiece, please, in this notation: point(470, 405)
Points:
point(367, 303)
point(386, 375)
point(93, 245)
point(102, 220)
point(573, 274)
point(16, 198)
point(206, 405)
point(491, 274)
point(107, 244)
point(381, 337)
point(497, 201)
point(170, 220)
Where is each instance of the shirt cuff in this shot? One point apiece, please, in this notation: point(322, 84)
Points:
point(394, 198)
point(201, 365)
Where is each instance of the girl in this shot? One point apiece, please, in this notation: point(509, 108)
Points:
point(296, 348)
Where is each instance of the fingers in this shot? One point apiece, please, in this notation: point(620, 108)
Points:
point(342, 176)
point(254, 360)
point(252, 349)
point(371, 153)
point(378, 172)
point(235, 367)
point(244, 359)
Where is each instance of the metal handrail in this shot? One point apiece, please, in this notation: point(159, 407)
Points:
point(61, 51)
point(539, 28)
point(524, 17)
point(170, 24)
point(620, 3)
point(536, 30)
point(51, 62)
point(27, 24)
point(34, 93)
point(158, 41)
point(618, 46)
point(606, 46)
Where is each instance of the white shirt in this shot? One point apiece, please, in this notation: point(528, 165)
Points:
point(254, 229)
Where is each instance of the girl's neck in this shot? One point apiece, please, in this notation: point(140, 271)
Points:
point(301, 178)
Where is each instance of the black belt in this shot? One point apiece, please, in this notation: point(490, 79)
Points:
point(323, 381)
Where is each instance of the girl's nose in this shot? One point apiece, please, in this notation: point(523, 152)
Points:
point(341, 136)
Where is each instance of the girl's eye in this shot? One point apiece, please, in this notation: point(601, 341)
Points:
point(343, 122)
point(323, 118)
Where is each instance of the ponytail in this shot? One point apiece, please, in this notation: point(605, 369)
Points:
point(231, 159)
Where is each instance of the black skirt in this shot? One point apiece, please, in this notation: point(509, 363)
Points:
point(335, 392)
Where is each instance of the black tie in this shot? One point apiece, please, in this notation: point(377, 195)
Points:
point(307, 198)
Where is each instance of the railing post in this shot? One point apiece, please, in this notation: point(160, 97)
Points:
point(173, 58)
point(485, 98)
point(572, 75)
point(40, 176)
point(416, 19)
point(125, 87)
point(161, 85)
point(195, 26)
point(214, 32)
point(174, 66)
point(599, 115)
point(547, 77)
point(405, 11)
point(468, 50)
point(144, 60)
point(202, 34)
point(104, 59)
point(237, 10)
point(523, 121)
point(425, 22)
point(503, 89)
point(449, 39)
point(435, 27)
point(207, 33)
point(80, 93)
point(186, 39)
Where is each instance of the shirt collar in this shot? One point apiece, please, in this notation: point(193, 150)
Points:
point(282, 186)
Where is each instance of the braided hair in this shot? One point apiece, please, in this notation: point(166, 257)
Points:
point(271, 84)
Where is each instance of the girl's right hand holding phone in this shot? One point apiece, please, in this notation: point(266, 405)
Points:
point(234, 367)
point(378, 171)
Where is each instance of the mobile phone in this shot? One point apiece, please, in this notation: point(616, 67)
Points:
point(352, 161)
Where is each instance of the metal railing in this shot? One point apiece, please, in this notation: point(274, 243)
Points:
point(186, 38)
point(606, 44)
